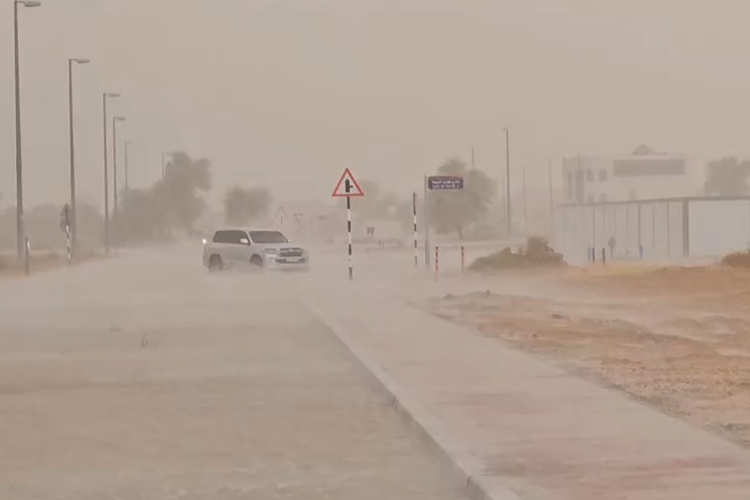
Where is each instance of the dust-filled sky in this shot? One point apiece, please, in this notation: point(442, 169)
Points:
point(287, 92)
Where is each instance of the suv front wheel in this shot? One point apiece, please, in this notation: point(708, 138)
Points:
point(257, 261)
point(215, 264)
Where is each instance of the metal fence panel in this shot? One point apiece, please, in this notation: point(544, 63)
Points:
point(648, 230)
point(718, 227)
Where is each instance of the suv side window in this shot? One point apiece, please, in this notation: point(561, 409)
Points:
point(221, 237)
point(231, 237)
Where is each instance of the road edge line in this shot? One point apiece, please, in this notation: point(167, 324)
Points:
point(478, 486)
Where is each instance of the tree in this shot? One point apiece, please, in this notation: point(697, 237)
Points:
point(141, 219)
point(178, 193)
point(375, 204)
point(243, 205)
point(727, 177)
point(644, 150)
point(90, 223)
point(452, 211)
point(174, 201)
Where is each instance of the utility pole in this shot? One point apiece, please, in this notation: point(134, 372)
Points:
point(426, 204)
point(164, 162)
point(127, 182)
point(73, 226)
point(508, 214)
point(115, 120)
point(551, 202)
point(106, 171)
point(525, 213)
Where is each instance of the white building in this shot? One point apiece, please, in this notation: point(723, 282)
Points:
point(594, 179)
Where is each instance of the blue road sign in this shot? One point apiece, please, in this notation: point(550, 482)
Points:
point(445, 182)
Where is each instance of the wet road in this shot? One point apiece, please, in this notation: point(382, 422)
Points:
point(144, 377)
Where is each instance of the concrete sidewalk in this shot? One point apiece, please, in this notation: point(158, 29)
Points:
point(521, 428)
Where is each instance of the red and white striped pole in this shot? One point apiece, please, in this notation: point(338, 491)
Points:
point(416, 235)
point(69, 249)
point(437, 261)
point(349, 233)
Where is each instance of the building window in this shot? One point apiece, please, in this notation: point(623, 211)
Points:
point(589, 175)
point(602, 175)
point(648, 166)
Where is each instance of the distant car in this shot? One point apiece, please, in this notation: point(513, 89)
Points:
point(230, 248)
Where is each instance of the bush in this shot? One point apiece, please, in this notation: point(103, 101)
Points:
point(537, 253)
point(737, 259)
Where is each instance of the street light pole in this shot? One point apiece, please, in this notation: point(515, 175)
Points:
point(551, 202)
point(525, 212)
point(20, 240)
point(164, 162)
point(106, 172)
point(73, 221)
point(127, 182)
point(115, 120)
point(508, 216)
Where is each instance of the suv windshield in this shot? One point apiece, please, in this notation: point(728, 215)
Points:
point(267, 237)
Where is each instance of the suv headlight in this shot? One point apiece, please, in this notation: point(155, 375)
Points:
point(271, 251)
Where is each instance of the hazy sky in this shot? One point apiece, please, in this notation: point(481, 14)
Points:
point(287, 92)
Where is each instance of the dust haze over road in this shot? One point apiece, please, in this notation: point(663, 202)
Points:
point(146, 377)
point(577, 123)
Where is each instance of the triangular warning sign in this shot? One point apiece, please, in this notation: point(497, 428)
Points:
point(347, 186)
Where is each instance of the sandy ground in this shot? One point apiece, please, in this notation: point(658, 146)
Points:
point(677, 339)
point(144, 377)
point(42, 261)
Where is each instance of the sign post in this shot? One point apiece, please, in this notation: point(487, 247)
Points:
point(416, 234)
point(26, 256)
point(298, 217)
point(281, 213)
point(426, 226)
point(65, 226)
point(436, 183)
point(348, 187)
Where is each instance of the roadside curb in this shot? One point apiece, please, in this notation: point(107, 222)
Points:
point(477, 484)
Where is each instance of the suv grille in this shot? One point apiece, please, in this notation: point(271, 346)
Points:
point(290, 252)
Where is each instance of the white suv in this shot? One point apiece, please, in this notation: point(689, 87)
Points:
point(262, 249)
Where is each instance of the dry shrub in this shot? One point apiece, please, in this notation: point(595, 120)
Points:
point(537, 253)
point(737, 259)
